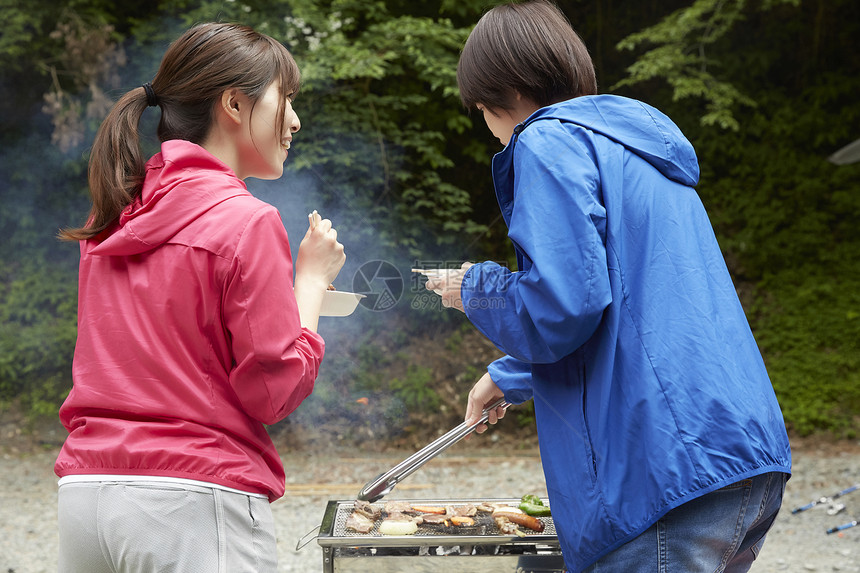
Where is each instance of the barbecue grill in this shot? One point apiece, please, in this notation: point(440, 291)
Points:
point(478, 548)
point(475, 549)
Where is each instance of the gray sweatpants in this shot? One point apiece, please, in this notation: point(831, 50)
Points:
point(148, 527)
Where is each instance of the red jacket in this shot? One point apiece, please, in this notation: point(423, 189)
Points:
point(189, 338)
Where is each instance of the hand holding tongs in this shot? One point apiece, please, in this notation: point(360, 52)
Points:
point(384, 483)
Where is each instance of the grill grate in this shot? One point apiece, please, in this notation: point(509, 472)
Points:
point(334, 531)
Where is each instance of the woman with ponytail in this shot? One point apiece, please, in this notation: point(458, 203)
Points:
point(193, 330)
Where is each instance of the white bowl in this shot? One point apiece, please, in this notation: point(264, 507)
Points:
point(339, 303)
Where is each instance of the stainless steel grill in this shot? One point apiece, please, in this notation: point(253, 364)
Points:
point(475, 549)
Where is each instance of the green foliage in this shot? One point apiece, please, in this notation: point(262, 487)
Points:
point(686, 55)
point(416, 390)
point(525, 414)
point(20, 32)
point(37, 336)
point(787, 220)
point(452, 344)
point(809, 329)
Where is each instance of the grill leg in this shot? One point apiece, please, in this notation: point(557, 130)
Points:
point(328, 564)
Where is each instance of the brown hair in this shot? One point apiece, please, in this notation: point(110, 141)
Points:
point(196, 69)
point(528, 48)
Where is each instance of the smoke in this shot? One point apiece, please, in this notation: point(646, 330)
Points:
point(347, 396)
point(32, 210)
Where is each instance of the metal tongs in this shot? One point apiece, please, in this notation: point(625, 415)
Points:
point(384, 483)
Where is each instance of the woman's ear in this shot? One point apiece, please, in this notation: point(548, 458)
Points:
point(230, 105)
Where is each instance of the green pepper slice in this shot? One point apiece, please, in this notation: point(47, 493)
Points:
point(534, 509)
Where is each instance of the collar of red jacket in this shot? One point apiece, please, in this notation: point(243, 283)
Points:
point(182, 182)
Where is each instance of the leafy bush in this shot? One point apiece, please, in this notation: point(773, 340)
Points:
point(787, 221)
point(416, 389)
point(37, 338)
point(808, 322)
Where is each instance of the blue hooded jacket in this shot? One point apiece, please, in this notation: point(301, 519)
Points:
point(622, 323)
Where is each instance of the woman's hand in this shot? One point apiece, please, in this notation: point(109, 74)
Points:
point(483, 394)
point(319, 260)
point(447, 284)
point(320, 256)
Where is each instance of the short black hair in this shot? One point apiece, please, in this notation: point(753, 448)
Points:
point(525, 48)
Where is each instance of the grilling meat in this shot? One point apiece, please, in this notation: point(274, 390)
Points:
point(519, 517)
point(459, 515)
point(359, 522)
point(462, 521)
point(467, 510)
point(507, 526)
point(488, 507)
point(363, 516)
point(366, 509)
point(429, 509)
point(397, 507)
point(435, 518)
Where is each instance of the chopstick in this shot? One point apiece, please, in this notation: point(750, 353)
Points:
point(312, 221)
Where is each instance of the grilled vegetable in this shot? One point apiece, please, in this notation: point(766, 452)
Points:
point(535, 510)
point(533, 505)
point(397, 527)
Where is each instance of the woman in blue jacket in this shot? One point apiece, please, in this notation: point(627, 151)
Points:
point(662, 442)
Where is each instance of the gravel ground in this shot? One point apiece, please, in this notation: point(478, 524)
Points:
point(28, 537)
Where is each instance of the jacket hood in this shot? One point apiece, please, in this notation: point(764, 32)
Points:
point(167, 203)
point(642, 129)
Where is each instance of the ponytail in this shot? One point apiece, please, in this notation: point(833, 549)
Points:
point(116, 166)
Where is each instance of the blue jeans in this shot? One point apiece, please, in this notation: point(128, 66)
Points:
point(720, 532)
